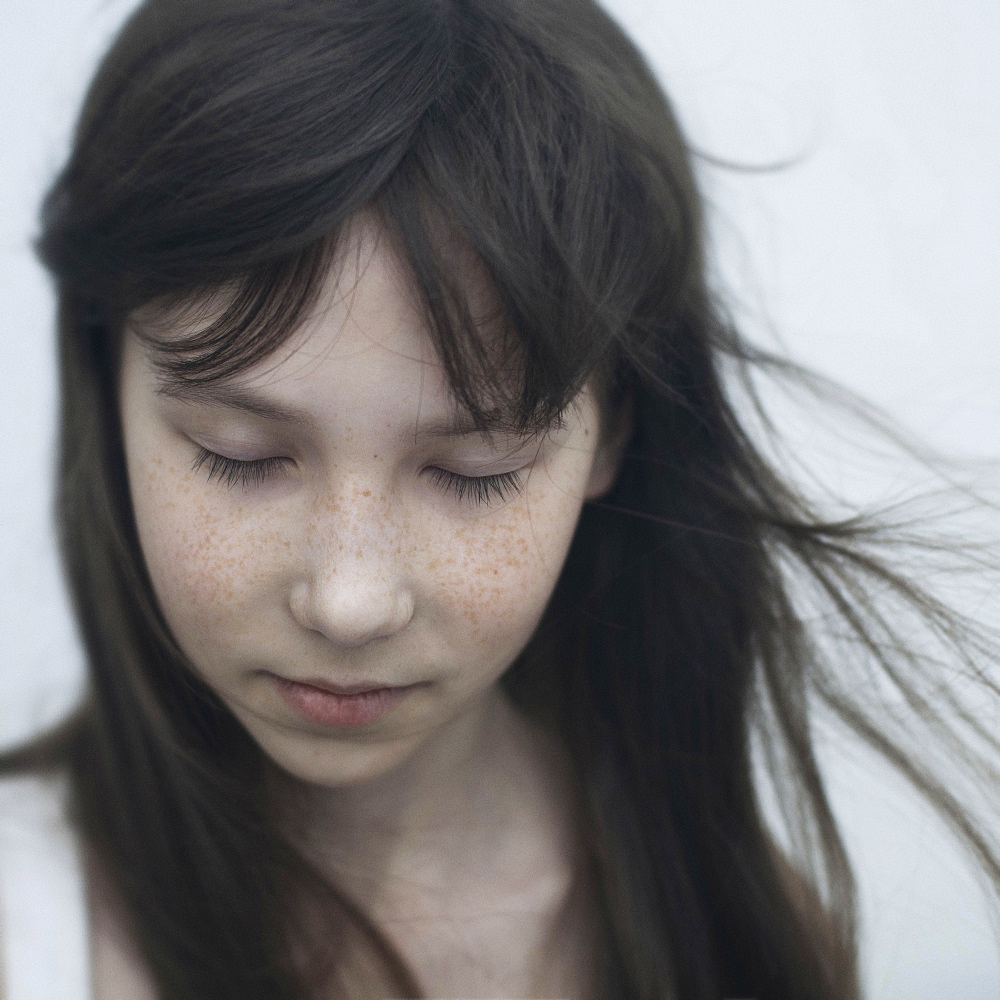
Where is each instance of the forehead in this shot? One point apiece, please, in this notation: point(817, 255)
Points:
point(367, 324)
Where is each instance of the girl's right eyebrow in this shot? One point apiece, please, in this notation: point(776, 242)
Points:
point(234, 397)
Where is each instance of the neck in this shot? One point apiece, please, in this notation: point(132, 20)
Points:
point(487, 801)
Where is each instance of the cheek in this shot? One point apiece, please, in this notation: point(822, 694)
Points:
point(207, 566)
point(498, 581)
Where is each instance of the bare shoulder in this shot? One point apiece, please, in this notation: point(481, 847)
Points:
point(117, 969)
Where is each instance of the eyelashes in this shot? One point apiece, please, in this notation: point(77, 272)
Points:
point(480, 490)
point(234, 472)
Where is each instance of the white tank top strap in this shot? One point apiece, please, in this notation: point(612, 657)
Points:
point(44, 938)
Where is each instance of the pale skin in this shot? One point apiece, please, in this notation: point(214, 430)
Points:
point(377, 539)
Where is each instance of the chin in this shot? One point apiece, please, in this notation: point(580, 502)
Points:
point(324, 761)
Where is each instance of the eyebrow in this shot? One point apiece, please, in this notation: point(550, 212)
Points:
point(235, 397)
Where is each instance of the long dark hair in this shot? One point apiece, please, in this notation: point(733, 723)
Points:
point(227, 144)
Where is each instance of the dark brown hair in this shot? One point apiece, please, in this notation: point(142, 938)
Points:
point(227, 144)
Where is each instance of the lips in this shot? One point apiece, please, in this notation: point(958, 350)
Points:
point(340, 705)
point(348, 689)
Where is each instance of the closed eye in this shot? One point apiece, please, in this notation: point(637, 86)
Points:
point(481, 490)
point(485, 490)
point(236, 472)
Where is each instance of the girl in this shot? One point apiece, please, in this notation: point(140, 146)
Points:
point(434, 595)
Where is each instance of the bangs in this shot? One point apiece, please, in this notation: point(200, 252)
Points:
point(456, 124)
point(210, 336)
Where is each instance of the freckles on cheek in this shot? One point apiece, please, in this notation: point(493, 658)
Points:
point(206, 562)
point(499, 580)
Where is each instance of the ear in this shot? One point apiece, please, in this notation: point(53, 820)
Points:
point(611, 451)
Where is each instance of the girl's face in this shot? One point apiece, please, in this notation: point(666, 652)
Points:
point(327, 523)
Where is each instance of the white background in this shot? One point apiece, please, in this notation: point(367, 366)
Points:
point(875, 257)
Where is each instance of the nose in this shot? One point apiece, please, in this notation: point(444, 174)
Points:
point(355, 588)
